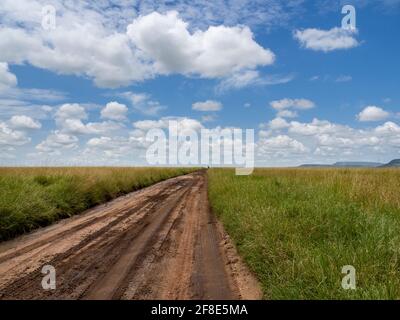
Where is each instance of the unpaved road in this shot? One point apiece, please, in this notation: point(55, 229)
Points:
point(161, 242)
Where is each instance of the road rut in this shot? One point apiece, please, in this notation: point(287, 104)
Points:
point(161, 242)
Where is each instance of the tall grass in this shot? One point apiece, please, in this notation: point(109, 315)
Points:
point(296, 228)
point(34, 197)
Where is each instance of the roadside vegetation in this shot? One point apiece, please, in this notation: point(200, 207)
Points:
point(34, 197)
point(297, 228)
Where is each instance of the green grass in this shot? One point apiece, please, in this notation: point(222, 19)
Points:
point(34, 197)
point(296, 228)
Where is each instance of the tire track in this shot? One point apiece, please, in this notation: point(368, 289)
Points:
point(159, 243)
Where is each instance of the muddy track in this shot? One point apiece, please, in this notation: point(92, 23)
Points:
point(161, 242)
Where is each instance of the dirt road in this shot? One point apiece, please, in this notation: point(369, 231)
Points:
point(161, 242)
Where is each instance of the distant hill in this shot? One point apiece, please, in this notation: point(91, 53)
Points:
point(354, 164)
point(345, 164)
point(357, 164)
point(315, 166)
point(393, 163)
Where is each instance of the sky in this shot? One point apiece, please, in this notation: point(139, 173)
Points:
point(83, 88)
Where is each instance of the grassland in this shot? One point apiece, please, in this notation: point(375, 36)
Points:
point(34, 197)
point(296, 228)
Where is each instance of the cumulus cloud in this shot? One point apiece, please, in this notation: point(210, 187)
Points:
point(135, 145)
point(216, 52)
point(388, 128)
point(183, 124)
point(7, 79)
point(102, 142)
point(314, 127)
point(76, 126)
point(209, 105)
point(278, 123)
point(114, 111)
point(116, 147)
point(56, 141)
point(143, 103)
point(327, 40)
point(325, 142)
point(69, 119)
point(24, 122)
point(287, 114)
point(10, 137)
point(281, 145)
point(300, 104)
point(86, 43)
point(372, 113)
point(71, 111)
point(79, 49)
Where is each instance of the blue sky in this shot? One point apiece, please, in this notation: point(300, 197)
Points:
point(86, 91)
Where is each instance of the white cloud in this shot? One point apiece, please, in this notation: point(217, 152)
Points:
point(56, 141)
point(102, 142)
point(116, 147)
point(114, 111)
point(247, 78)
point(287, 114)
point(69, 120)
point(278, 123)
point(216, 52)
point(280, 145)
point(7, 79)
point(24, 122)
point(239, 80)
point(26, 101)
point(327, 40)
point(314, 127)
point(93, 41)
point(347, 142)
point(263, 14)
point(372, 113)
point(76, 47)
point(76, 126)
point(388, 128)
point(150, 124)
point(300, 104)
point(71, 111)
point(183, 124)
point(143, 103)
point(325, 142)
point(32, 94)
point(209, 105)
point(10, 137)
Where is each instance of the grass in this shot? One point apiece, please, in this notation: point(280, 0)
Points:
point(296, 228)
point(34, 197)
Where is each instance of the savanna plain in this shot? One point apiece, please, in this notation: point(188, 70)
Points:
point(294, 228)
point(297, 228)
